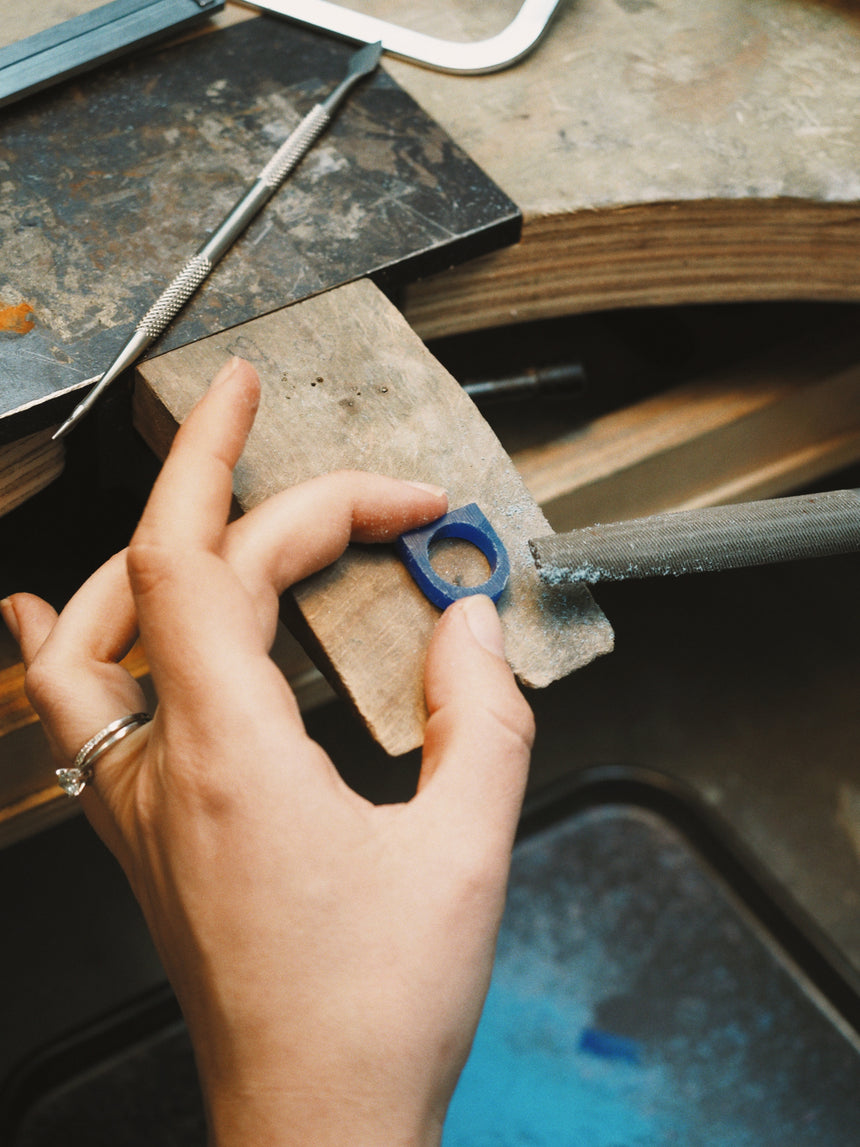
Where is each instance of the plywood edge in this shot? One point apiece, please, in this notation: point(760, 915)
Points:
point(27, 466)
point(34, 813)
point(657, 254)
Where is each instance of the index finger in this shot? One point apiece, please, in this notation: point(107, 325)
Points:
point(190, 501)
point(197, 625)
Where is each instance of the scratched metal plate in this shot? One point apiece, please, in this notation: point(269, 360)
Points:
point(108, 183)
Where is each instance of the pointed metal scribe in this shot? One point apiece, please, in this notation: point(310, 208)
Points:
point(171, 301)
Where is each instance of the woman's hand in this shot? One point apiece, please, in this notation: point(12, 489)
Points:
point(331, 957)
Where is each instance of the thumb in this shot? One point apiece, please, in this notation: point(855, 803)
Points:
point(30, 621)
point(480, 729)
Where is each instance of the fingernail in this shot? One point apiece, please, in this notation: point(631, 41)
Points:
point(483, 621)
point(7, 609)
point(226, 372)
point(439, 491)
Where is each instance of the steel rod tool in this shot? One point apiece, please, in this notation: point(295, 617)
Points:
point(174, 297)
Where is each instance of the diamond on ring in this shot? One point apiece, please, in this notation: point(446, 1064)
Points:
point(74, 780)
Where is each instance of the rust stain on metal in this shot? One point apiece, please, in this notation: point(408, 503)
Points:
point(17, 319)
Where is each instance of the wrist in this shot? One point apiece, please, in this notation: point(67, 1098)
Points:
point(301, 1120)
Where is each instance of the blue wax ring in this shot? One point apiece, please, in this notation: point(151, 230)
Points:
point(470, 524)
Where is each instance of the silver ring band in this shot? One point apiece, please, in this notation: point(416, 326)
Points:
point(74, 780)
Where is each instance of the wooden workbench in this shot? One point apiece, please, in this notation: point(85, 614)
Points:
point(696, 151)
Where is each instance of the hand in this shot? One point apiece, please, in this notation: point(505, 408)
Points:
point(331, 957)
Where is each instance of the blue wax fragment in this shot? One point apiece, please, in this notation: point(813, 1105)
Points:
point(607, 1045)
point(470, 524)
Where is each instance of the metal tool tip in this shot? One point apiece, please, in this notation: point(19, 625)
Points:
point(63, 430)
point(364, 62)
point(77, 414)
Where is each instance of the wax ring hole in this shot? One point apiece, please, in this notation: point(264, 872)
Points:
point(467, 524)
point(458, 561)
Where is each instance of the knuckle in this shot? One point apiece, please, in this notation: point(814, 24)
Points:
point(211, 793)
point(515, 721)
point(196, 795)
point(480, 868)
point(148, 565)
point(193, 773)
point(43, 679)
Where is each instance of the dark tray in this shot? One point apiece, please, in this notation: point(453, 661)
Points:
point(650, 988)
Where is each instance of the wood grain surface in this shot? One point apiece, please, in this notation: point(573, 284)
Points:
point(27, 466)
point(346, 384)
